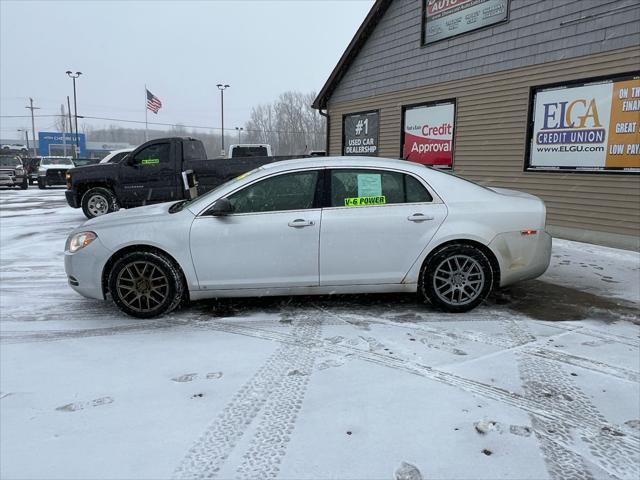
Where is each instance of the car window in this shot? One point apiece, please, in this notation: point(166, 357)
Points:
point(353, 188)
point(153, 154)
point(291, 191)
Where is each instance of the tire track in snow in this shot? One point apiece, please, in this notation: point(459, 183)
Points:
point(546, 382)
point(277, 389)
point(529, 404)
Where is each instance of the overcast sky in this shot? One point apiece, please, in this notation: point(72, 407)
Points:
point(180, 49)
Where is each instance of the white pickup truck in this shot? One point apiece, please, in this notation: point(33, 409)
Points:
point(244, 150)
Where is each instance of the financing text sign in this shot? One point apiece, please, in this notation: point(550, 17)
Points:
point(427, 136)
point(587, 127)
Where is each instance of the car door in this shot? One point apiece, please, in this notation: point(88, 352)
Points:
point(269, 240)
point(150, 175)
point(376, 225)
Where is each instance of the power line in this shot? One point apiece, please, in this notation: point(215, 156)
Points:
point(161, 124)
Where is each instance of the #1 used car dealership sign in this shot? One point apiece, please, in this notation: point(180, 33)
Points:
point(587, 127)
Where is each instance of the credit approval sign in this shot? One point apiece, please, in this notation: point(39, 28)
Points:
point(427, 135)
point(587, 127)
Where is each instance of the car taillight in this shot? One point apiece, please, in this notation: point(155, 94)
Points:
point(528, 232)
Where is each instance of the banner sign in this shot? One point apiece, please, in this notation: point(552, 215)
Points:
point(427, 135)
point(586, 127)
point(447, 18)
point(360, 134)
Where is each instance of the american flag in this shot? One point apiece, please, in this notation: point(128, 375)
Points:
point(153, 103)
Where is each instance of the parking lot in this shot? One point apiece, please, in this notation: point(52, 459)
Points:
point(543, 381)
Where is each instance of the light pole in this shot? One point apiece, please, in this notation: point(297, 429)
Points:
point(222, 88)
point(239, 129)
point(75, 109)
point(26, 137)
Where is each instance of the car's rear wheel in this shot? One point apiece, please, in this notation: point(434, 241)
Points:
point(145, 284)
point(457, 278)
point(99, 201)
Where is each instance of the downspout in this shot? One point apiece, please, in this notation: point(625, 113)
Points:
point(326, 115)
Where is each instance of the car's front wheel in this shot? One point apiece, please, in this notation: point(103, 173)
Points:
point(145, 284)
point(457, 278)
point(99, 201)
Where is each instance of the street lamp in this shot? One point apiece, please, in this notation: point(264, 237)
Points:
point(75, 108)
point(222, 88)
point(26, 137)
point(239, 129)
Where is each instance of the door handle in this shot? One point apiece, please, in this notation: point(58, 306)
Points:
point(301, 222)
point(419, 217)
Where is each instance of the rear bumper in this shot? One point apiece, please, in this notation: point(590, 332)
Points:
point(72, 198)
point(521, 257)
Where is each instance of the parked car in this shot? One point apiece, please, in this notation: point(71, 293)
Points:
point(52, 171)
point(116, 155)
point(315, 226)
point(154, 172)
point(12, 172)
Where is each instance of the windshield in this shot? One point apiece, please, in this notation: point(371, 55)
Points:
point(56, 161)
point(185, 203)
point(10, 162)
point(250, 151)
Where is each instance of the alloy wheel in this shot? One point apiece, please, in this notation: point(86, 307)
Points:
point(458, 280)
point(142, 286)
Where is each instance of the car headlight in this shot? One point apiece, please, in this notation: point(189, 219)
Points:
point(42, 170)
point(19, 171)
point(80, 240)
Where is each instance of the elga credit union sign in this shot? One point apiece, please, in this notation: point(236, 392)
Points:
point(428, 134)
point(447, 18)
point(360, 134)
point(587, 127)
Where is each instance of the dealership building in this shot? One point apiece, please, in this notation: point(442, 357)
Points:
point(536, 95)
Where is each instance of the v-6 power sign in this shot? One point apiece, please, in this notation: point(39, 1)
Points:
point(428, 134)
point(360, 134)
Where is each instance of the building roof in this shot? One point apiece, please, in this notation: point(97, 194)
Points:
point(371, 20)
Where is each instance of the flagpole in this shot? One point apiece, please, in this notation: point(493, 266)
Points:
point(145, 113)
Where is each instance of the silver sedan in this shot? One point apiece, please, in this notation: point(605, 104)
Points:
point(315, 226)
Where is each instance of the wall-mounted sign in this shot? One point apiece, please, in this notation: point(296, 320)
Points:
point(446, 18)
point(427, 133)
point(587, 127)
point(360, 133)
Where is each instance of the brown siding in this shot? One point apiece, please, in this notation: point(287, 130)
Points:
point(490, 137)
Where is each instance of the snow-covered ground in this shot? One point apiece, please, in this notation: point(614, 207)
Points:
point(541, 382)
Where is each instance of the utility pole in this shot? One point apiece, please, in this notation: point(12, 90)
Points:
point(33, 124)
point(222, 88)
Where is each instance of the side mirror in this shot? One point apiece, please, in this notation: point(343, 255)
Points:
point(221, 208)
point(128, 160)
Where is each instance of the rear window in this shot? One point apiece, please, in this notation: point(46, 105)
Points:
point(256, 151)
point(193, 150)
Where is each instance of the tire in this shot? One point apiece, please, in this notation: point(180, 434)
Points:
point(25, 184)
point(99, 201)
point(42, 184)
point(457, 278)
point(145, 284)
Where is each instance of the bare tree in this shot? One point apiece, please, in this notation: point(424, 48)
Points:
point(289, 125)
point(61, 121)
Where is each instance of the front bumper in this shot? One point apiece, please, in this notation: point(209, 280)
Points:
point(73, 199)
point(84, 269)
point(521, 257)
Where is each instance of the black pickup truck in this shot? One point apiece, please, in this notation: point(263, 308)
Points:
point(157, 171)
